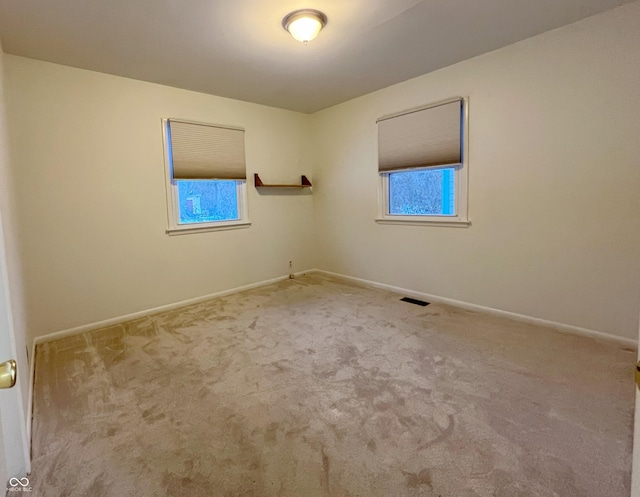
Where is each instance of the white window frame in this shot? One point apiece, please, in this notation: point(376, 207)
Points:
point(461, 217)
point(173, 206)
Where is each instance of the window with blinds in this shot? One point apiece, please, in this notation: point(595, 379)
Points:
point(206, 176)
point(422, 164)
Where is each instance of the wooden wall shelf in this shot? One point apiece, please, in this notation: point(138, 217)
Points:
point(304, 183)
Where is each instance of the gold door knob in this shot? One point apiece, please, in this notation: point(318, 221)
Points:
point(8, 374)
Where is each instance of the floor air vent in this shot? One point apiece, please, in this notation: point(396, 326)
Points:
point(415, 301)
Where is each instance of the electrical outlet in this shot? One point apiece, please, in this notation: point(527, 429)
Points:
point(290, 264)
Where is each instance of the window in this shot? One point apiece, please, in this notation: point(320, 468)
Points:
point(426, 192)
point(207, 201)
point(206, 176)
point(422, 165)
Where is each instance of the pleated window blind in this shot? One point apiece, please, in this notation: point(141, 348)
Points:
point(423, 138)
point(202, 151)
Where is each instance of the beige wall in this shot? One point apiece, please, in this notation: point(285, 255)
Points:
point(92, 211)
point(554, 193)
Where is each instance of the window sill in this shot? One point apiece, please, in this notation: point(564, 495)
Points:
point(407, 221)
point(185, 230)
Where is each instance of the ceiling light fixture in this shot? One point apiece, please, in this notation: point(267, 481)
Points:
point(304, 25)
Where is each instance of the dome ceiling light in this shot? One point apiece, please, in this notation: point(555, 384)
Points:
point(304, 25)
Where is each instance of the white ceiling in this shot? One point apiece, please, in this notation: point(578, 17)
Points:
point(238, 48)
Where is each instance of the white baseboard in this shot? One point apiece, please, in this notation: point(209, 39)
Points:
point(163, 308)
point(564, 328)
point(567, 328)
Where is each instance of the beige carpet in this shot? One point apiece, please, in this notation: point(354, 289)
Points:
point(316, 387)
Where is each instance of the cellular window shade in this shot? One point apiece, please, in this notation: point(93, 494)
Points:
point(201, 151)
point(422, 138)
